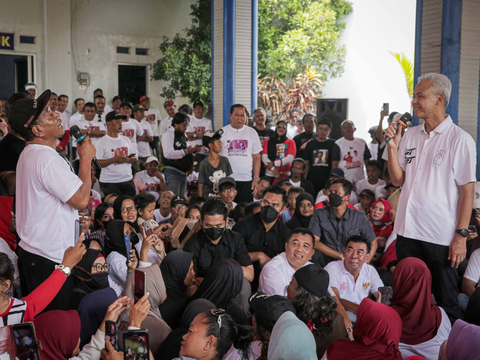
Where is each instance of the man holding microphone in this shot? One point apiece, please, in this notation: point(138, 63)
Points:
point(435, 163)
point(48, 196)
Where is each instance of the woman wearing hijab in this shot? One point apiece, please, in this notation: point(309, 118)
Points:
point(157, 328)
point(278, 154)
point(178, 274)
point(425, 326)
point(103, 214)
point(222, 283)
point(124, 209)
point(303, 212)
point(291, 339)
point(377, 334)
point(170, 348)
point(462, 343)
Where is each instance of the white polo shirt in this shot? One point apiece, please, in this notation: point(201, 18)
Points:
point(473, 269)
point(368, 281)
point(199, 126)
point(434, 165)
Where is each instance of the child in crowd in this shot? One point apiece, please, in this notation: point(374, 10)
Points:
point(292, 196)
point(145, 204)
point(227, 190)
point(374, 170)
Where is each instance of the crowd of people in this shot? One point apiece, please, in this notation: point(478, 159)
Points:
point(259, 240)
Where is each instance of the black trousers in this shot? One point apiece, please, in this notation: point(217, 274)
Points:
point(123, 188)
point(444, 276)
point(244, 192)
point(34, 270)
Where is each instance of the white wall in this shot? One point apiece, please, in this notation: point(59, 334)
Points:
point(372, 76)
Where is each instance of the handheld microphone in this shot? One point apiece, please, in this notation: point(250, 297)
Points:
point(77, 134)
point(403, 121)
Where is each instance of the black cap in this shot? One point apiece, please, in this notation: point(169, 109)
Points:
point(114, 115)
point(389, 185)
point(337, 172)
point(198, 103)
point(314, 279)
point(269, 308)
point(367, 192)
point(138, 107)
point(227, 179)
point(179, 199)
point(26, 111)
point(125, 103)
point(210, 137)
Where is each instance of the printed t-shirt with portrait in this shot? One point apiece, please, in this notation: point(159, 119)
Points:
point(151, 183)
point(320, 155)
point(88, 125)
point(143, 146)
point(283, 150)
point(152, 116)
point(352, 158)
point(109, 147)
point(199, 126)
point(131, 129)
point(209, 176)
point(239, 146)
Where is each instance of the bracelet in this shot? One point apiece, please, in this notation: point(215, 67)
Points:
point(350, 329)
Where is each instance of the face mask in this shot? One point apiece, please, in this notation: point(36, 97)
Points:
point(268, 214)
point(191, 223)
point(99, 281)
point(335, 200)
point(214, 233)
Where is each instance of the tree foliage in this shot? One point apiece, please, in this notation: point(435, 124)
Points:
point(407, 67)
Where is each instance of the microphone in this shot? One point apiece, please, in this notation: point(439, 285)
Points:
point(403, 121)
point(77, 133)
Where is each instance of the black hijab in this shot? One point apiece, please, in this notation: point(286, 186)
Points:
point(117, 210)
point(272, 143)
point(174, 270)
point(170, 348)
point(298, 220)
point(222, 283)
point(115, 239)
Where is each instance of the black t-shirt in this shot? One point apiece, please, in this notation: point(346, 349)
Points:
point(264, 134)
point(320, 155)
point(10, 149)
point(301, 141)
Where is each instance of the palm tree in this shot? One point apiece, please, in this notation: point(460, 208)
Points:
point(407, 67)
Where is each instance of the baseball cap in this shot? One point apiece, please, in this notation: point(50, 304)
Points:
point(144, 97)
point(150, 159)
point(138, 107)
point(269, 308)
point(168, 103)
point(227, 179)
point(198, 103)
point(372, 130)
point(337, 172)
point(114, 115)
point(30, 85)
point(314, 279)
point(211, 136)
point(179, 199)
point(125, 103)
point(367, 192)
point(26, 111)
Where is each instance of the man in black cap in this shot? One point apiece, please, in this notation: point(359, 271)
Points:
point(178, 154)
point(178, 209)
point(267, 309)
point(115, 155)
point(48, 195)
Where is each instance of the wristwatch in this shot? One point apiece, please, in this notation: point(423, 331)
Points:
point(65, 269)
point(463, 232)
point(256, 178)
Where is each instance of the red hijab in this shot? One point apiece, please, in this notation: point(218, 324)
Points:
point(59, 332)
point(412, 300)
point(376, 332)
point(384, 221)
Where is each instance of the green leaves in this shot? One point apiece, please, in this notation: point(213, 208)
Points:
point(407, 67)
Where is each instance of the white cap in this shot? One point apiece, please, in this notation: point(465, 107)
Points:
point(150, 159)
point(30, 86)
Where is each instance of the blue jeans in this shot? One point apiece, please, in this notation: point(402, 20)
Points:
point(463, 300)
point(176, 182)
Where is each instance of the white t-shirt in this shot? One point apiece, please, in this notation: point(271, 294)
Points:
point(352, 158)
point(435, 166)
point(473, 269)
point(45, 222)
point(109, 147)
point(373, 150)
point(75, 117)
point(199, 125)
point(239, 146)
point(368, 281)
point(88, 125)
point(131, 129)
point(297, 184)
point(165, 125)
point(152, 116)
point(102, 117)
point(159, 217)
point(152, 184)
point(292, 131)
point(143, 146)
point(364, 184)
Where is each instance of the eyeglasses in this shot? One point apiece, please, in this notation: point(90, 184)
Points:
point(306, 206)
point(84, 218)
point(281, 127)
point(179, 207)
point(101, 267)
point(128, 208)
point(218, 313)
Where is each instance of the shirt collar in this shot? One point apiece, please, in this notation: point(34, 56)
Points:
point(332, 215)
point(345, 271)
point(444, 125)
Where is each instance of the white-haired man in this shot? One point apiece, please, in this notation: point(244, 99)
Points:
point(435, 163)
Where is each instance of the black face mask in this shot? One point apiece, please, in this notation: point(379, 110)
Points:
point(268, 214)
point(214, 233)
point(335, 200)
point(99, 281)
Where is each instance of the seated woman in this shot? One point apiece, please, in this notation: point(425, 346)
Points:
point(26, 308)
point(304, 209)
point(178, 275)
point(376, 332)
point(425, 325)
point(103, 214)
point(462, 344)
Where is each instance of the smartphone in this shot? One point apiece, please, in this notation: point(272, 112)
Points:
point(78, 231)
point(128, 245)
point(472, 228)
point(147, 225)
point(111, 333)
point(387, 293)
point(136, 345)
point(140, 278)
point(131, 155)
point(386, 107)
point(25, 341)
